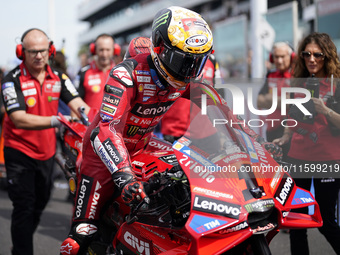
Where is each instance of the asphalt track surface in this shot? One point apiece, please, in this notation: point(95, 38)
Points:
point(55, 222)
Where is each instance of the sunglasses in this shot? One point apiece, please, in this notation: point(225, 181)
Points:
point(316, 55)
point(34, 53)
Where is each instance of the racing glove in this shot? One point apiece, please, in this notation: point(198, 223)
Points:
point(132, 191)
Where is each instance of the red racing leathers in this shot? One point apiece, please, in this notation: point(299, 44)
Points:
point(134, 101)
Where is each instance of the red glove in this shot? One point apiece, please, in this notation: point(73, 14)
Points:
point(133, 192)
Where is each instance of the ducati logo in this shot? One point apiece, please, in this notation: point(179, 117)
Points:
point(132, 130)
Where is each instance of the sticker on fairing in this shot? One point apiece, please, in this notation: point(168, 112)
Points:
point(192, 154)
point(201, 224)
point(250, 146)
point(285, 188)
point(302, 197)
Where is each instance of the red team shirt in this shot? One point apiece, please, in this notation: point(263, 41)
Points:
point(319, 140)
point(90, 83)
point(21, 91)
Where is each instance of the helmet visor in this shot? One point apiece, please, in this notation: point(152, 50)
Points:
point(182, 65)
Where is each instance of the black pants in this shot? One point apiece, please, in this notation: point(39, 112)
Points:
point(29, 188)
point(326, 194)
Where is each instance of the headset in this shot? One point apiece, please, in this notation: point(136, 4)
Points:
point(20, 48)
point(116, 50)
point(279, 44)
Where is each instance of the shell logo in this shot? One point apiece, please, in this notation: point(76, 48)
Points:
point(140, 88)
point(95, 89)
point(64, 77)
point(72, 185)
point(31, 101)
point(178, 146)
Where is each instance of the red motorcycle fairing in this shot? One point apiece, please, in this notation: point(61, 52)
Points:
point(241, 210)
point(228, 205)
point(206, 212)
point(72, 138)
point(145, 239)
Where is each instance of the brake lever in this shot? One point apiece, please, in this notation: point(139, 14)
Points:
point(132, 217)
point(83, 116)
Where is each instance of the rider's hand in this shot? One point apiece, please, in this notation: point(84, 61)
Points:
point(274, 149)
point(133, 192)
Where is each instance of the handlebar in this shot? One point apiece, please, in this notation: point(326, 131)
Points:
point(154, 183)
point(83, 116)
point(132, 217)
point(66, 164)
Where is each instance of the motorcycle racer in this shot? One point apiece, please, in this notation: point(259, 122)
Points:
point(137, 94)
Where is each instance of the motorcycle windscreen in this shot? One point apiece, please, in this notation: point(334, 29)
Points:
point(221, 160)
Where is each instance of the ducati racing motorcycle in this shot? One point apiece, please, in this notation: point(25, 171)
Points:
point(214, 191)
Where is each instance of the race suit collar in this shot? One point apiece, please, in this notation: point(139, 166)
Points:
point(159, 81)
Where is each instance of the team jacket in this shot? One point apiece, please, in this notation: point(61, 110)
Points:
point(317, 143)
point(90, 83)
point(21, 91)
point(275, 79)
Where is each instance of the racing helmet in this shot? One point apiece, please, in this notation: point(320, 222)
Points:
point(181, 43)
point(137, 46)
